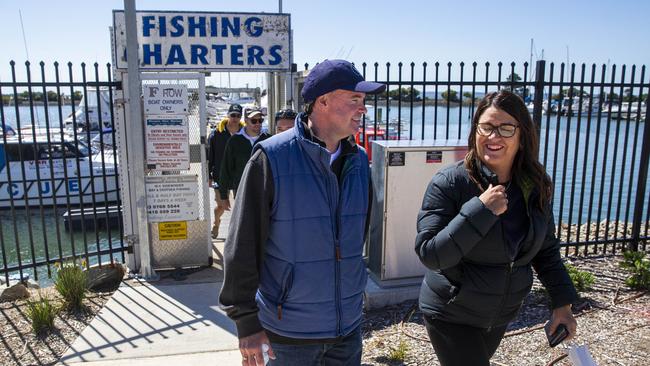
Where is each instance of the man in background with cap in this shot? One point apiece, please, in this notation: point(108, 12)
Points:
point(216, 146)
point(284, 120)
point(294, 271)
point(238, 151)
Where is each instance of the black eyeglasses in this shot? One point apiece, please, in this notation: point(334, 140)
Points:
point(504, 130)
point(256, 121)
point(235, 115)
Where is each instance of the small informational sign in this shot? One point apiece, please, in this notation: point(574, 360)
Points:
point(434, 157)
point(172, 230)
point(396, 158)
point(168, 144)
point(172, 198)
point(165, 99)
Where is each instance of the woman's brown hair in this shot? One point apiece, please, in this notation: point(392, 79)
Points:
point(526, 163)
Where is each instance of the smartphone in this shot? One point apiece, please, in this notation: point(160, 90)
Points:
point(561, 332)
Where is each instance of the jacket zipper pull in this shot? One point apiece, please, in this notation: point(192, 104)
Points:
point(338, 253)
point(279, 311)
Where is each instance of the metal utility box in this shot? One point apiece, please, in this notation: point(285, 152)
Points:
point(401, 171)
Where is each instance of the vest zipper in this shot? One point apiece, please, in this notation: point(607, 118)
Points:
point(335, 231)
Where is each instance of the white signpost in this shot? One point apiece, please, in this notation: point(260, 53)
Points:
point(168, 147)
point(172, 198)
point(165, 99)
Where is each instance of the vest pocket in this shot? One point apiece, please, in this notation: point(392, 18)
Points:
point(287, 282)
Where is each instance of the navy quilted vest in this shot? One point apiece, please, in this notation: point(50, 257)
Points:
point(305, 291)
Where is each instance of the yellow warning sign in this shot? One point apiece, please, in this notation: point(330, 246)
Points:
point(176, 230)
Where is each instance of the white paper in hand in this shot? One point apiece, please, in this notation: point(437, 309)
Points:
point(580, 356)
point(265, 353)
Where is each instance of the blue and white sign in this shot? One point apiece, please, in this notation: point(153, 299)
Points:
point(165, 99)
point(207, 41)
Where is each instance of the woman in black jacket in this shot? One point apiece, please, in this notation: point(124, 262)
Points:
point(484, 223)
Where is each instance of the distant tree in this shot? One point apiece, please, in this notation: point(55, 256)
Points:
point(6, 99)
point(513, 77)
point(519, 90)
point(450, 95)
point(467, 95)
point(404, 93)
point(629, 97)
point(52, 96)
point(77, 95)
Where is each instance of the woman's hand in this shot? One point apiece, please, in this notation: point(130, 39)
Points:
point(495, 199)
point(563, 315)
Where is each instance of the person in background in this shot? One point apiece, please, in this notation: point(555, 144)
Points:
point(285, 120)
point(294, 274)
point(216, 146)
point(484, 225)
point(238, 151)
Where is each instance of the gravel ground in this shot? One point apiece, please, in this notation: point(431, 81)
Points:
point(613, 322)
point(20, 346)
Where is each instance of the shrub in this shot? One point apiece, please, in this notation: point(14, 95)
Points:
point(71, 284)
point(398, 353)
point(639, 266)
point(41, 313)
point(582, 280)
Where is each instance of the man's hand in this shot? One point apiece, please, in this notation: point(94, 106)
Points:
point(209, 182)
point(251, 349)
point(495, 199)
point(563, 315)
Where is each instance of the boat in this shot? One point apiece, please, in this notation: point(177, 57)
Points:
point(53, 171)
point(92, 115)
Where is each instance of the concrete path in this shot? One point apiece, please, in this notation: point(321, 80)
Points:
point(178, 323)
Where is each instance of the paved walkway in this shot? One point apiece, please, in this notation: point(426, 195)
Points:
point(166, 322)
point(177, 323)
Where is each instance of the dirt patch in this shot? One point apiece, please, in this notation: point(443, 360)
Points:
point(20, 346)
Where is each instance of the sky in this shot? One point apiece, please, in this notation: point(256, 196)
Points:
point(601, 32)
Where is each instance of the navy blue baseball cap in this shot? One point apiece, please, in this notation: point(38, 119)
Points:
point(331, 75)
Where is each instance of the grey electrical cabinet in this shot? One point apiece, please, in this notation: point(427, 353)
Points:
point(401, 171)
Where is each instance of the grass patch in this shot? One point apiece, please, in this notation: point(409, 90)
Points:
point(71, 284)
point(582, 280)
point(639, 266)
point(41, 313)
point(398, 353)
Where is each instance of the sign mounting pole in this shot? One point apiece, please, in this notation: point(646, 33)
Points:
point(136, 139)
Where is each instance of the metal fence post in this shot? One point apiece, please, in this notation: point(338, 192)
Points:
point(540, 67)
point(641, 185)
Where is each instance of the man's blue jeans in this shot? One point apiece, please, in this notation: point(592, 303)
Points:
point(346, 352)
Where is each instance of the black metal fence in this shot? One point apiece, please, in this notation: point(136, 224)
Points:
point(59, 186)
point(593, 125)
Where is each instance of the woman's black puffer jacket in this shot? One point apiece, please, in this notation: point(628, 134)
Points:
point(471, 279)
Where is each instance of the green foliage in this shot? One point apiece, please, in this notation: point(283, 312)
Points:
point(582, 280)
point(404, 94)
point(6, 99)
point(398, 353)
point(77, 95)
point(450, 95)
point(513, 77)
point(52, 96)
point(41, 313)
point(71, 284)
point(639, 266)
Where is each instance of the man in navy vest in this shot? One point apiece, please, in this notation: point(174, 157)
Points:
point(294, 271)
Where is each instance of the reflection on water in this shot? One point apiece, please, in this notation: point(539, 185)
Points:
point(48, 239)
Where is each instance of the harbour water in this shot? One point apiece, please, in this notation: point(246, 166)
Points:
point(605, 161)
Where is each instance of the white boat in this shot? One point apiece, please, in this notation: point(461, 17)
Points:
point(91, 115)
point(52, 171)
